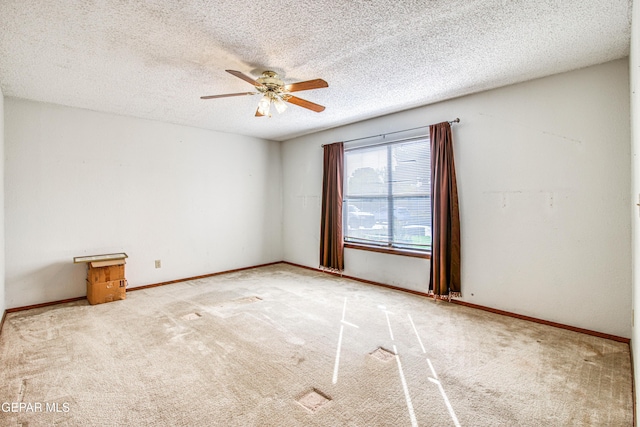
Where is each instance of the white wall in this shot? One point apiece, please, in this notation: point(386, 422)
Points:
point(543, 177)
point(80, 182)
point(634, 69)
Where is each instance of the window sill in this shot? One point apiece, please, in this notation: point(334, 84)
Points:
point(391, 251)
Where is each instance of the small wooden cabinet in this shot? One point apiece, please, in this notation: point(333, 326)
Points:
point(106, 280)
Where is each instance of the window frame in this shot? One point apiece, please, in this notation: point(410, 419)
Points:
point(380, 246)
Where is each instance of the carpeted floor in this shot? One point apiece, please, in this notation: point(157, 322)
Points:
point(285, 346)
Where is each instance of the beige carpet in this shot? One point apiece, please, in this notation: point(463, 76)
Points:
point(253, 348)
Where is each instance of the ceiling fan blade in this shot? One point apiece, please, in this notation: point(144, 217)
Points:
point(226, 95)
point(243, 77)
point(305, 104)
point(309, 84)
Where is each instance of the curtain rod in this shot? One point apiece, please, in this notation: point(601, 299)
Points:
point(456, 120)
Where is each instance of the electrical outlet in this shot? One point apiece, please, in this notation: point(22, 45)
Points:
point(158, 263)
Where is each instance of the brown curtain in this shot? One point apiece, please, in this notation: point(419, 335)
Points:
point(445, 228)
point(331, 244)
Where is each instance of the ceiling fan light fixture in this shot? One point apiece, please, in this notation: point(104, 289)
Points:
point(264, 105)
point(279, 104)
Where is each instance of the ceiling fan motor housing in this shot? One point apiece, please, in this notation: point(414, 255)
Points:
point(271, 82)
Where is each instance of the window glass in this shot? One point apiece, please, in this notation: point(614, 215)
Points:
point(387, 195)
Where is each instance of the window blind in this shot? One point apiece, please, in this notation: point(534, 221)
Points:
point(387, 198)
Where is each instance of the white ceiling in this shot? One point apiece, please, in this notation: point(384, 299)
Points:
point(155, 58)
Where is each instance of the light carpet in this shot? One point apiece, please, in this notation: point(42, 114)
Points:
point(285, 346)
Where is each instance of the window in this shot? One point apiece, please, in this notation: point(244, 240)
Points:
point(387, 200)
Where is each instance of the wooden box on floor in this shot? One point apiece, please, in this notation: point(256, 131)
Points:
point(106, 281)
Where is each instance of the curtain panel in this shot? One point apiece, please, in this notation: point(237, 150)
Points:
point(444, 281)
point(331, 242)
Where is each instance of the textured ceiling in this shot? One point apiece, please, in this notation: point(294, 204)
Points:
point(155, 58)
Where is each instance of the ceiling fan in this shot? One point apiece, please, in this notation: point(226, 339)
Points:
point(275, 92)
